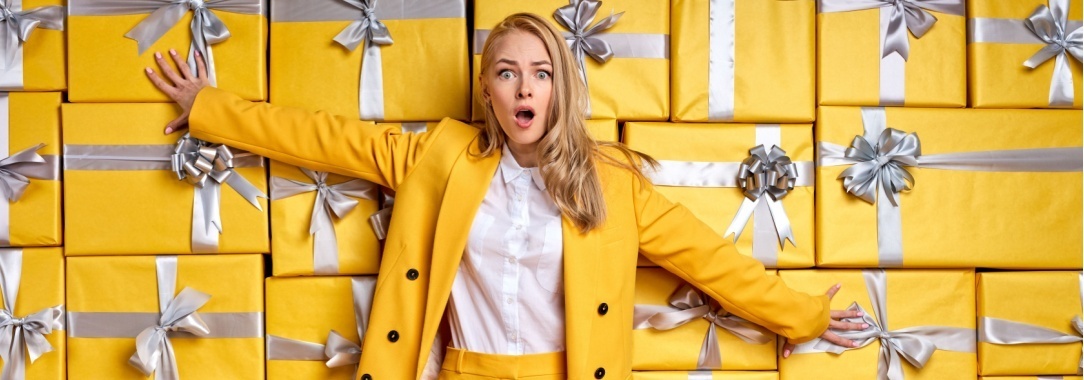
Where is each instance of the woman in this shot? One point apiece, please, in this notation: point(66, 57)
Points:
point(517, 240)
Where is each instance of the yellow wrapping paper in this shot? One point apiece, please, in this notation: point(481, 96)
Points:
point(622, 88)
point(773, 66)
point(129, 284)
point(679, 348)
point(105, 66)
point(603, 130)
point(849, 61)
point(914, 298)
point(716, 206)
point(132, 212)
point(43, 55)
point(1030, 378)
point(1045, 299)
point(306, 309)
point(425, 71)
point(714, 375)
point(42, 287)
point(957, 218)
point(292, 244)
point(34, 118)
point(998, 77)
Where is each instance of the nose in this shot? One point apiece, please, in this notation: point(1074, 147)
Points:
point(525, 91)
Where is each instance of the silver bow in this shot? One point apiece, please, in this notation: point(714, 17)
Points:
point(1050, 25)
point(369, 30)
point(766, 176)
point(577, 17)
point(881, 165)
point(207, 29)
point(371, 33)
point(906, 15)
point(341, 351)
point(154, 351)
point(15, 170)
point(18, 25)
point(380, 220)
point(22, 337)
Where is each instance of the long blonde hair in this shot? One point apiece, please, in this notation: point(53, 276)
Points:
point(567, 154)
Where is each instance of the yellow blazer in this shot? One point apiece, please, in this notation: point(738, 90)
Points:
point(439, 186)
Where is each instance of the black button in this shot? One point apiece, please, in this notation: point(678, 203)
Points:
point(366, 377)
point(600, 373)
point(412, 274)
point(393, 336)
point(603, 308)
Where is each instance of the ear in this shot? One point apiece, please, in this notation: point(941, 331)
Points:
point(484, 89)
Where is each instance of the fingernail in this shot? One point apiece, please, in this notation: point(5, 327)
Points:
point(148, 70)
point(861, 314)
point(854, 344)
point(865, 325)
point(172, 52)
point(786, 353)
point(169, 130)
point(839, 285)
point(198, 54)
point(158, 55)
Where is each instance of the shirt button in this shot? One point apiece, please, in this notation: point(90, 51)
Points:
point(519, 227)
point(509, 300)
point(512, 260)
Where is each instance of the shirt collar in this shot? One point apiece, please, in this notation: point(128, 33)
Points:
point(510, 169)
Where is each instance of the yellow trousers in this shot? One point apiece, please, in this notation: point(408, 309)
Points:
point(467, 365)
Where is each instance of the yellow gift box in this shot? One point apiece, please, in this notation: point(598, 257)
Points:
point(39, 63)
point(303, 312)
point(703, 375)
point(33, 219)
point(633, 85)
point(106, 66)
point(998, 46)
point(954, 216)
point(1031, 378)
point(679, 348)
point(603, 130)
point(758, 73)
point(1047, 300)
point(40, 291)
point(133, 212)
point(851, 44)
point(112, 299)
point(913, 299)
point(421, 75)
point(730, 144)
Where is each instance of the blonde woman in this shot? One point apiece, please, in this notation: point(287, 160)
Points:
point(513, 252)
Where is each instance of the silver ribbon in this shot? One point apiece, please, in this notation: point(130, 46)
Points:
point(765, 177)
point(1050, 25)
point(721, 46)
point(577, 18)
point(22, 338)
point(688, 304)
point(154, 351)
point(17, 27)
point(700, 375)
point(371, 33)
point(877, 172)
point(337, 350)
point(914, 344)
point(1003, 331)
point(17, 169)
point(330, 200)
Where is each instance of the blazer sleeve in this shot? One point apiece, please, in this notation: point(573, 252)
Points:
point(316, 140)
point(671, 236)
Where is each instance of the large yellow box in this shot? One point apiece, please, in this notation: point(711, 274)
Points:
point(714, 375)
point(730, 144)
point(41, 67)
point(424, 72)
point(957, 218)
point(728, 66)
point(40, 291)
point(133, 212)
point(34, 219)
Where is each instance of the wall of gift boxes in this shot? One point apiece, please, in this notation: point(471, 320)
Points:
point(943, 139)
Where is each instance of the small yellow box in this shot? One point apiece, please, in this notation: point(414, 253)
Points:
point(42, 287)
point(34, 219)
point(41, 67)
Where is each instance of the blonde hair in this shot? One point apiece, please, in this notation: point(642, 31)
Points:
point(567, 154)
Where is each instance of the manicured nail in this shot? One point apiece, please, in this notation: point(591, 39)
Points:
point(786, 353)
point(865, 325)
point(854, 344)
point(158, 55)
point(172, 52)
point(148, 70)
point(198, 54)
point(861, 314)
point(169, 130)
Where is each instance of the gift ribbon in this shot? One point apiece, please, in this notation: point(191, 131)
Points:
point(914, 344)
point(17, 27)
point(336, 351)
point(206, 28)
point(687, 304)
point(1062, 38)
point(879, 158)
point(17, 169)
point(24, 337)
point(381, 220)
point(1003, 331)
point(199, 163)
point(721, 41)
point(765, 178)
point(700, 375)
point(337, 199)
point(897, 17)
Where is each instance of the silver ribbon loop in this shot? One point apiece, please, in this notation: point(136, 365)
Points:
point(22, 338)
point(577, 17)
point(912, 15)
point(18, 25)
point(368, 30)
point(154, 351)
point(881, 165)
point(1050, 24)
point(341, 351)
point(15, 170)
point(766, 176)
point(381, 221)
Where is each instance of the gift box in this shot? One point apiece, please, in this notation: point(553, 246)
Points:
point(109, 45)
point(39, 303)
point(631, 84)
point(603, 130)
point(1005, 65)
point(123, 196)
point(30, 169)
point(1030, 378)
point(413, 68)
point(705, 375)
point(988, 186)
point(701, 168)
point(729, 67)
point(1026, 323)
point(313, 327)
point(212, 303)
point(677, 327)
point(36, 61)
point(875, 54)
point(927, 316)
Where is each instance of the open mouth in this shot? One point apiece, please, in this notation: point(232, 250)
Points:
point(524, 116)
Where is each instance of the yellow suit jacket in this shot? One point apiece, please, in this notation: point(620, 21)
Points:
point(439, 186)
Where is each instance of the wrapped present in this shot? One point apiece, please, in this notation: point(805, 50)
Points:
point(1046, 377)
point(387, 58)
point(30, 169)
point(132, 190)
point(110, 43)
point(33, 313)
point(315, 326)
point(1029, 323)
point(888, 53)
point(120, 309)
point(622, 49)
point(729, 67)
point(1025, 54)
point(677, 327)
point(32, 55)
point(997, 195)
point(921, 325)
point(603, 130)
point(739, 177)
point(705, 375)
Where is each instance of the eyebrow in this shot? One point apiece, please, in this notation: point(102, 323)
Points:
point(535, 63)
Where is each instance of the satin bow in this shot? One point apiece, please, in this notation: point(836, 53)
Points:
point(881, 164)
point(14, 173)
point(207, 29)
point(912, 15)
point(1050, 25)
point(368, 30)
point(341, 351)
point(18, 25)
point(20, 337)
point(154, 352)
point(577, 17)
point(765, 176)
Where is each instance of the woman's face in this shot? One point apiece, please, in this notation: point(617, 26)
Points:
point(518, 87)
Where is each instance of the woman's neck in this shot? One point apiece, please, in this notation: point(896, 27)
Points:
point(524, 154)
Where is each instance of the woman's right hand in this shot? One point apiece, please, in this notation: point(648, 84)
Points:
point(185, 85)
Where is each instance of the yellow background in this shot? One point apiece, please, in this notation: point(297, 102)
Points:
point(34, 118)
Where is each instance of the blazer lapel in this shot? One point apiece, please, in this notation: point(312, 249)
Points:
point(581, 280)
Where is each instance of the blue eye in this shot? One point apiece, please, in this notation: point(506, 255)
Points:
point(506, 74)
point(543, 75)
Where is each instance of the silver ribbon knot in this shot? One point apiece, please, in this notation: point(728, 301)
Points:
point(371, 33)
point(207, 29)
point(766, 176)
point(18, 25)
point(906, 15)
point(22, 337)
point(577, 17)
point(154, 351)
point(1051, 26)
point(341, 351)
point(881, 165)
point(15, 170)
point(369, 30)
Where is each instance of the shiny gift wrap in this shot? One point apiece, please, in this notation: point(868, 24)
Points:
point(106, 207)
point(1029, 323)
point(386, 58)
point(30, 209)
point(117, 304)
point(32, 319)
point(728, 66)
point(707, 159)
point(32, 46)
point(705, 375)
point(978, 197)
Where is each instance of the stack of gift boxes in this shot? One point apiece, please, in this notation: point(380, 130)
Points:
point(943, 140)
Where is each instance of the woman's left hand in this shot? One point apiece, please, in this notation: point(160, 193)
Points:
point(835, 324)
point(185, 85)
